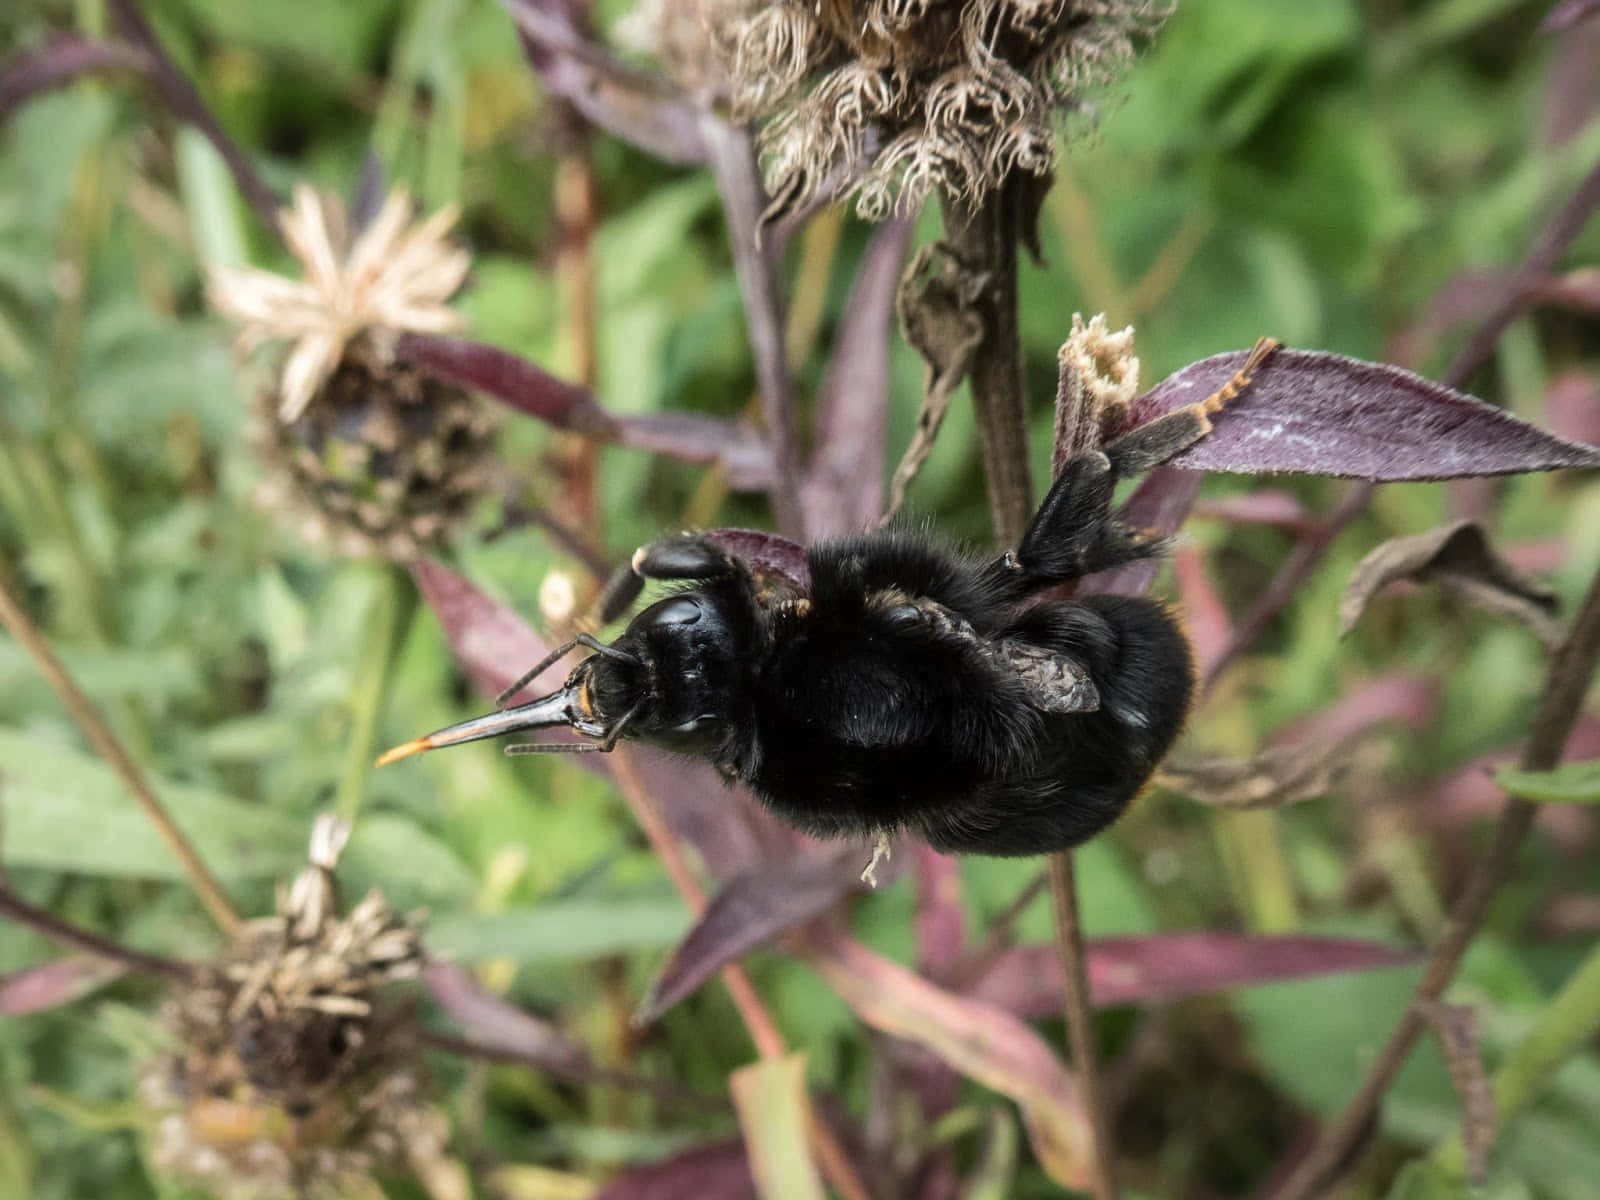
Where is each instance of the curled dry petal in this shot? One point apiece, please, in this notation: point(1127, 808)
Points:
point(1326, 414)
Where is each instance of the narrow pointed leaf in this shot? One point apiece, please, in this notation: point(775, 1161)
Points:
point(1263, 506)
point(1161, 502)
point(774, 1113)
point(844, 487)
point(1459, 556)
point(498, 1024)
point(766, 552)
point(1573, 783)
point(978, 1039)
point(1026, 980)
point(642, 110)
point(752, 908)
point(734, 446)
point(1326, 414)
point(50, 985)
point(717, 1172)
point(940, 918)
point(493, 644)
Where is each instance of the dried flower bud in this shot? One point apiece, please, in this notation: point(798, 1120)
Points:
point(384, 459)
point(933, 96)
point(293, 1075)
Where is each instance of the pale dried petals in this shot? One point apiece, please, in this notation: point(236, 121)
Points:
point(310, 363)
point(374, 247)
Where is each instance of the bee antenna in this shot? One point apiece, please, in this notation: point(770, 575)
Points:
point(589, 641)
point(528, 677)
point(555, 748)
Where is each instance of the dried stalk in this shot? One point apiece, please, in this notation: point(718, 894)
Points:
point(1571, 669)
point(105, 743)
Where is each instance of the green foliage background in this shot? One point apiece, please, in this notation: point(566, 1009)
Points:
point(1318, 172)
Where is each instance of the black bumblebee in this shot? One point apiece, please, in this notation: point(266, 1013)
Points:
point(908, 687)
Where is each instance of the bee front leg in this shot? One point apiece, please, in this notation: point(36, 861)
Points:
point(683, 557)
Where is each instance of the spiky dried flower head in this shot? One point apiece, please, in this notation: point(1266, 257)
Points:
point(293, 1074)
point(928, 96)
point(685, 37)
point(380, 457)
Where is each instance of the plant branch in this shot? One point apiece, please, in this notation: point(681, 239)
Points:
point(1540, 260)
point(105, 743)
point(1559, 704)
point(60, 62)
point(52, 926)
point(1080, 1024)
point(985, 240)
point(186, 103)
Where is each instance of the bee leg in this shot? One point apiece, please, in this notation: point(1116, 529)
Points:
point(683, 557)
point(1169, 435)
point(1073, 534)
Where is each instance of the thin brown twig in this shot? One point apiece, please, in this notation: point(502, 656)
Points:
point(105, 743)
point(1080, 1025)
point(763, 1029)
point(1571, 670)
point(59, 63)
point(19, 910)
point(1540, 260)
point(973, 966)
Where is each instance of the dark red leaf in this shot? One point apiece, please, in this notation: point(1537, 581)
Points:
point(1567, 14)
point(60, 61)
point(1572, 405)
point(1263, 506)
point(767, 553)
point(641, 109)
point(735, 446)
point(844, 487)
point(720, 1171)
point(728, 829)
point(752, 908)
point(940, 920)
point(1469, 795)
point(1205, 616)
point(498, 1025)
point(50, 985)
point(1399, 699)
point(1326, 414)
point(1026, 980)
point(1160, 503)
point(508, 378)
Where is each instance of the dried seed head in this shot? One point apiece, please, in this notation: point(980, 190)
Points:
point(293, 1073)
point(685, 37)
point(381, 458)
point(1097, 383)
point(934, 96)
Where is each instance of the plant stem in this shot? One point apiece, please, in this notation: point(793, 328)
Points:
point(388, 614)
point(19, 910)
point(985, 240)
point(1568, 679)
point(763, 1029)
point(105, 743)
point(1080, 1024)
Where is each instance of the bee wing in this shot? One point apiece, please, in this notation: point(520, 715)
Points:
point(1053, 682)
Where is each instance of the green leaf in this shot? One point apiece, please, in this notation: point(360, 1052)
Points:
point(774, 1110)
point(69, 812)
point(1570, 783)
point(569, 929)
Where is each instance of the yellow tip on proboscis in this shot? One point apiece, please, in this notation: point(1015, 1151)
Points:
point(405, 750)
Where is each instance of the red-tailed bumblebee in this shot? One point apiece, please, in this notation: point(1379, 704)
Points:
point(908, 687)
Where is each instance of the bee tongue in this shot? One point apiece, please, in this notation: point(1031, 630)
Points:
point(554, 709)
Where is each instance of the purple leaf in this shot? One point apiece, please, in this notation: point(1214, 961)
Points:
point(57, 63)
point(641, 109)
point(50, 985)
point(752, 907)
point(1026, 980)
point(728, 829)
point(1567, 14)
point(1326, 414)
point(978, 1039)
point(505, 376)
point(1263, 506)
point(735, 446)
point(766, 552)
point(1398, 699)
point(1160, 503)
point(1204, 615)
point(844, 488)
point(498, 1025)
point(720, 1171)
point(1572, 405)
point(940, 923)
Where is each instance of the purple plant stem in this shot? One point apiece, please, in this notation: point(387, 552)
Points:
point(19, 910)
point(182, 98)
point(1559, 704)
point(1540, 260)
point(60, 62)
point(733, 161)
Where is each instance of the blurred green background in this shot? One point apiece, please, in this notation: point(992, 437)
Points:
point(1317, 172)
